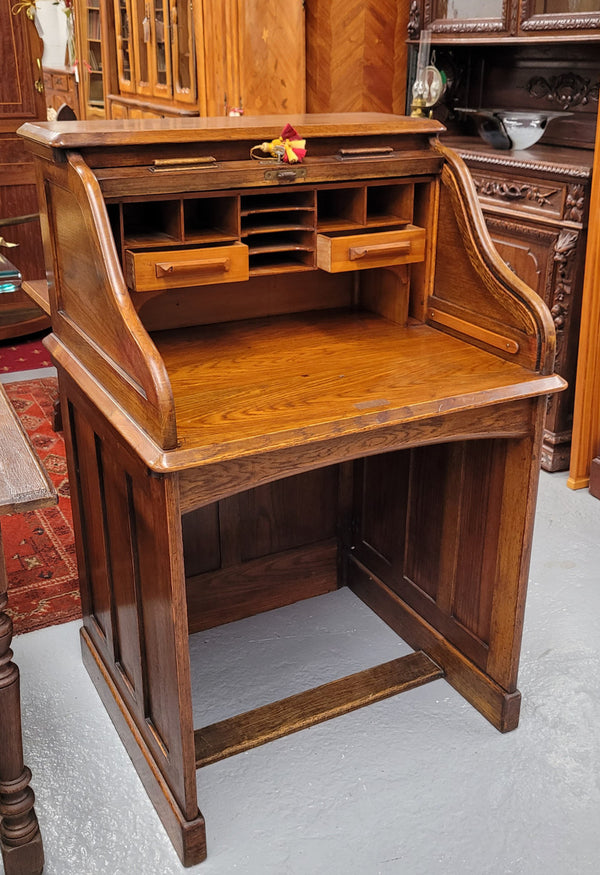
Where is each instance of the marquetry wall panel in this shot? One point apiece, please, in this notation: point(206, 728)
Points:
point(356, 55)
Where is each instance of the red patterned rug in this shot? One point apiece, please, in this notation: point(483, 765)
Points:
point(29, 355)
point(39, 546)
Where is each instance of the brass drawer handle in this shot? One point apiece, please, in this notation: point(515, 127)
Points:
point(169, 268)
point(401, 248)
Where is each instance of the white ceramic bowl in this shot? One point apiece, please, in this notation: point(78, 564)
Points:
point(525, 128)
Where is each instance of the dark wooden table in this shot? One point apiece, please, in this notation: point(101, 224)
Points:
point(24, 486)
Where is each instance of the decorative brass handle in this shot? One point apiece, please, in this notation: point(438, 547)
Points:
point(169, 165)
point(169, 268)
point(401, 248)
point(366, 152)
point(24, 5)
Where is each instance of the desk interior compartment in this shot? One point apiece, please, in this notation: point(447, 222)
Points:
point(152, 223)
point(389, 204)
point(378, 204)
point(211, 219)
point(341, 208)
point(279, 229)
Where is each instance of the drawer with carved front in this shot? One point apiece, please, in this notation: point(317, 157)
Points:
point(547, 198)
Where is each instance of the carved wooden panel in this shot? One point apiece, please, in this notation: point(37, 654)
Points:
point(574, 16)
point(549, 259)
point(458, 18)
point(523, 193)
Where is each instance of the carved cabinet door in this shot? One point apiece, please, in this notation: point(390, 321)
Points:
point(549, 260)
point(502, 18)
point(477, 18)
point(539, 17)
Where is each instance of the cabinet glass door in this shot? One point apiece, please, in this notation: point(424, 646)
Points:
point(161, 49)
point(88, 21)
point(182, 50)
point(142, 46)
point(468, 16)
point(564, 7)
point(125, 37)
point(560, 15)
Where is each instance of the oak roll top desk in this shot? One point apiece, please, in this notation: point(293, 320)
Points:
point(277, 380)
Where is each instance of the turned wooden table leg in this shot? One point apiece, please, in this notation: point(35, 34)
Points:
point(20, 839)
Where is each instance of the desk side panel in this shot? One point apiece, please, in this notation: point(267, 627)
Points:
point(475, 294)
point(92, 314)
point(448, 530)
point(128, 539)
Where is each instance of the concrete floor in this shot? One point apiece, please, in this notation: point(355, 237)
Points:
point(415, 785)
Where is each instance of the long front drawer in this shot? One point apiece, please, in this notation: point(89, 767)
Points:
point(153, 270)
point(367, 250)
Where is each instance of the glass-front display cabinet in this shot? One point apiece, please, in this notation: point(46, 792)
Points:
point(511, 18)
point(90, 59)
point(155, 49)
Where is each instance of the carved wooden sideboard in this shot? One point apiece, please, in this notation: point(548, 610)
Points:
point(536, 205)
point(516, 56)
point(278, 380)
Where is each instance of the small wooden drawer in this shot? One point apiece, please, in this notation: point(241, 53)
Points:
point(59, 82)
point(152, 270)
point(367, 250)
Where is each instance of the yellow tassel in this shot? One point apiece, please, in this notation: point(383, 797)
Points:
point(277, 147)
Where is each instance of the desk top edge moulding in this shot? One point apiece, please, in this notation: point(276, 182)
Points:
point(278, 379)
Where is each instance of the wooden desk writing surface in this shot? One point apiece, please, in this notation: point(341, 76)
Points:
point(278, 380)
point(300, 377)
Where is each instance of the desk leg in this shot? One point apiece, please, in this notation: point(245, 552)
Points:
point(20, 838)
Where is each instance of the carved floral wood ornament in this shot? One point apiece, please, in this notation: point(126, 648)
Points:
point(514, 190)
point(567, 89)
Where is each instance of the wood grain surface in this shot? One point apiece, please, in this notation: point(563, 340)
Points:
point(305, 376)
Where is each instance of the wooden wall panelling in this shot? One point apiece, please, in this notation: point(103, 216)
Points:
point(254, 56)
point(272, 60)
point(356, 55)
point(218, 31)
